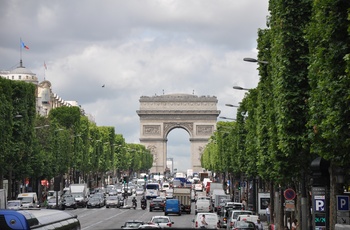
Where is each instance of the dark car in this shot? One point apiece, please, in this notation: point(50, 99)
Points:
point(95, 202)
point(69, 202)
point(157, 204)
point(246, 225)
point(132, 224)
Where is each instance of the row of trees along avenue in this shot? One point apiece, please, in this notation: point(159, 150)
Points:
point(65, 143)
point(300, 109)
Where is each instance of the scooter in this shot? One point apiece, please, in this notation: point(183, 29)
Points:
point(143, 206)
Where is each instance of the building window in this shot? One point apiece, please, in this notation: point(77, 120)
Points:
point(19, 77)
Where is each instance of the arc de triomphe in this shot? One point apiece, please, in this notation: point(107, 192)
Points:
point(161, 114)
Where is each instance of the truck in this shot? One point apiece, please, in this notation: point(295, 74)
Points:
point(29, 200)
point(184, 196)
point(203, 175)
point(213, 186)
point(218, 198)
point(3, 200)
point(189, 173)
point(80, 192)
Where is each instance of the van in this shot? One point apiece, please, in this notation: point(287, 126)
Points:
point(233, 215)
point(203, 206)
point(29, 200)
point(172, 206)
point(152, 190)
point(210, 218)
point(248, 217)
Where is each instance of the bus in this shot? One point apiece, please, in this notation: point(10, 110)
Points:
point(152, 190)
point(38, 219)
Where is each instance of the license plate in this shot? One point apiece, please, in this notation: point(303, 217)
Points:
point(170, 209)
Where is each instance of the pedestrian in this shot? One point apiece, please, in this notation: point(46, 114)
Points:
point(203, 223)
point(259, 225)
point(244, 203)
point(268, 214)
point(295, 224)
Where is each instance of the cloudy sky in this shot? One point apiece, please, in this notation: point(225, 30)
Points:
point(136, 48)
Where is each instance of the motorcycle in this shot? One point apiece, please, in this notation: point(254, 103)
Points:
point(134, 204)
point(143, 206)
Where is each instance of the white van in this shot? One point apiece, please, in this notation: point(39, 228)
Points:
point(203, 205)
point(165, 186)
point(29, 200)
point(233, 215)
point(210, 218)
point(152, 190)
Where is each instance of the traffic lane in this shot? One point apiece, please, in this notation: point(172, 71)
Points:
point(113, 218)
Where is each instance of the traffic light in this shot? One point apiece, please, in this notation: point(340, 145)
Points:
point(145, 177)
point(159, 174)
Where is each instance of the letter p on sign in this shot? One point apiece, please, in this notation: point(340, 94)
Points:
point(342, 203)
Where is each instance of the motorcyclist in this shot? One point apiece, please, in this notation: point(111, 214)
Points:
point(134, 201)
point(143, 200)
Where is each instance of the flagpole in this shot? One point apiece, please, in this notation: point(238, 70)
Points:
point(20, 52)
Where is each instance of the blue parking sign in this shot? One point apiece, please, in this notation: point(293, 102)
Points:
point(342, 203)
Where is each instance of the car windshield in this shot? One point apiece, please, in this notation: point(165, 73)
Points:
point(245, 224)
point(94, 199)
point(52, 200)
point(236, 214)
point(112, 198)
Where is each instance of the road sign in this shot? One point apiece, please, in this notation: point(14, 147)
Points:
point(289, 205)
point(342, 203)
point(319, 203)
point(289, 194)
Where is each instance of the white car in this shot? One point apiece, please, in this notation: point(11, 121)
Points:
point(14, 204)
point(198, 187)
point(162, 221)
point(211, 219)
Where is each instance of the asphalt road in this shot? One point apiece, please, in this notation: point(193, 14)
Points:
point(114, 218)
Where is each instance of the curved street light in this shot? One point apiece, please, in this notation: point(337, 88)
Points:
point(255, 60)
point(230, 105)
point(240, 88)
point(228, 118)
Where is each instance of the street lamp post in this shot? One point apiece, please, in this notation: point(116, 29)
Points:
point(240, 88)
point(247, 59)
point(228, 118)
point(230, 105)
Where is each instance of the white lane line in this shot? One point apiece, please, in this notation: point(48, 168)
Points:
point(103, 220)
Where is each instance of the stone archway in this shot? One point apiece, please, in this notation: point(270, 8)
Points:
point(161, 114)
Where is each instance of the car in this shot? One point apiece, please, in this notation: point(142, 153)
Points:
point(139, 191)
point(198, 187)
point(69, 202)
point(132, 224)
point(149, 225)
point(51, 203)
point(94, 202)
point(162, 221)
point(112, 201)
point(169, 194)
point(165, 186)
point(246, 225)
point(211, 219)
point(233, 215)
point(156, 204)
point(14, 204)
point(225, 211)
